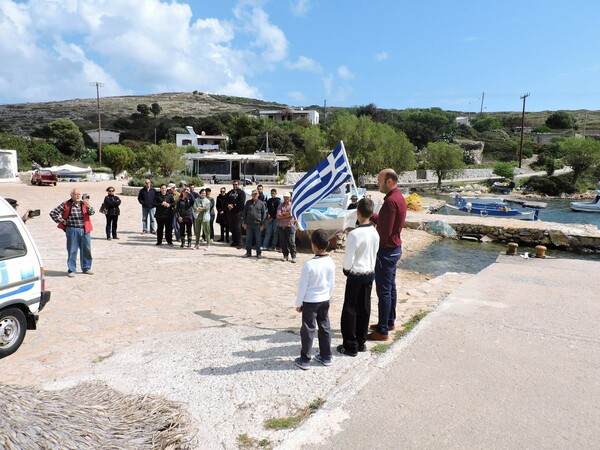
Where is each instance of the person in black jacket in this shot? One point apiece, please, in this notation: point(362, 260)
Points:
point(222, 215)
point(164, 204)
point(236, 199)
point(185, 216)
point(111, 206)
point(146, 199)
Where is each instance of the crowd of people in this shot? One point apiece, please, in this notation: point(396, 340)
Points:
point(373, 249)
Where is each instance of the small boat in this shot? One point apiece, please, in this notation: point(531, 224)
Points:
point(503, 188)
point(500, 209)
point(593, 206)
point(329, 219)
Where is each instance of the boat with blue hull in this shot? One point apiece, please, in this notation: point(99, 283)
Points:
point(489, 207)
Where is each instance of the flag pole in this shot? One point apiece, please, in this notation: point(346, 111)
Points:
point(349, 165)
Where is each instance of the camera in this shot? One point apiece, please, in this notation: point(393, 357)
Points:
point(33, 213)
point(85, 196)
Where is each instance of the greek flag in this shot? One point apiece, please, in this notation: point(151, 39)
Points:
point(321, 180)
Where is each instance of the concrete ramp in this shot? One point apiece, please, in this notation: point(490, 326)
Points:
point(511, 359)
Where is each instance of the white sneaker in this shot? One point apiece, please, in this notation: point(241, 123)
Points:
point(294, 260)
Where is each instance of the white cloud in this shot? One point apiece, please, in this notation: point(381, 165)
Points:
point(381, 56)
point(269, 37)
point(299, 7)
point(306, 64)
point(55, 48)
point(296, 95)
point(344, 73)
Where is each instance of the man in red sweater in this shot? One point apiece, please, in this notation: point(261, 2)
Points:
point(389, 221)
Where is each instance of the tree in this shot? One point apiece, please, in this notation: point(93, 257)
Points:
point(45, 154)
point(560, 120)
point(155, 109)
point(66, 137)
point(165, 159)
point(583, 155)
point(426, 125)
point(444, 159)
point(505, 170)
point(117, 157)
point(487, 123)
point(143, 109)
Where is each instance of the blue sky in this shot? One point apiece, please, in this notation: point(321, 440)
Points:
point(393, 53)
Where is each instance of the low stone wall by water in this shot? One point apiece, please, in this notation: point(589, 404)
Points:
point(584, 238)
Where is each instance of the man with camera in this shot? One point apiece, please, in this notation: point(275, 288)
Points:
point(73, 216)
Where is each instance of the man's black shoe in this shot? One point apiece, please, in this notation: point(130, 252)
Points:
point(343, 351)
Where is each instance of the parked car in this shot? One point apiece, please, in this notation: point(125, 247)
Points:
point(42, 176)
point(23, 291)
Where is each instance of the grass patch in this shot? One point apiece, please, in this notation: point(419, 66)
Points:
point(406, 328)
point(245, 441)
point(282, 423)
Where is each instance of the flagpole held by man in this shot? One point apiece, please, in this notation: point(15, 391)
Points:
point(321, 181)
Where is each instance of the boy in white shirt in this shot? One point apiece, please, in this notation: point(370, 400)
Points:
point(315, 289)
point(362, 245)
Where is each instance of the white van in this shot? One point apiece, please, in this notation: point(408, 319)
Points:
point(22, 285)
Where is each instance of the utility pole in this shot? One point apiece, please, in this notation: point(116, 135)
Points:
point(584, 122)
point(325, 113)
point(482, 97)
point(523, 97)
point(98, 86)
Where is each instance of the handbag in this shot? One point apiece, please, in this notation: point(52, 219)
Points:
point(103, 209)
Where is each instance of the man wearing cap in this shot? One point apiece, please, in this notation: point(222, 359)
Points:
point(353, 202)
point(236, 200)
point(146, 199)
point(287, 228)
point(255, 213)
point(389, 221)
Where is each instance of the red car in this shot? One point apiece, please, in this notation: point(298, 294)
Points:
point(40, 177)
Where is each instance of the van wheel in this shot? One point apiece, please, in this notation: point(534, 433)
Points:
point(13, 327)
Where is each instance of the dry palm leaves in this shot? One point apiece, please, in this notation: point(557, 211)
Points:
point(90, 416)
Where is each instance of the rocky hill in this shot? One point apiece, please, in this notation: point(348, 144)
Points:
point(25, 117)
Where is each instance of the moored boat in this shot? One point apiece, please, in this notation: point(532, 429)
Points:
point(593, 206)
point(488, 208)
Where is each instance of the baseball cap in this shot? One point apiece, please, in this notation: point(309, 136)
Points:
point(254, 191)
point(287, 194)
point(354, 196)
point(171, 185)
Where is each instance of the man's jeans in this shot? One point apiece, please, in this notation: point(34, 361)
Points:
point(78, 240)
point(145, 213)
point(252, 234)
point(272, 230)
point(385, 280)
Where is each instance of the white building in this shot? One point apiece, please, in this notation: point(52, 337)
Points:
point(108, 137)
point(8, 166)
point(281, 115)
point(221, 167)
point(203, 142)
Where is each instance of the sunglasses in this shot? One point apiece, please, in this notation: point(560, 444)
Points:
point(111, 190)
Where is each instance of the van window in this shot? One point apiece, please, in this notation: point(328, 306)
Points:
point(11, 242)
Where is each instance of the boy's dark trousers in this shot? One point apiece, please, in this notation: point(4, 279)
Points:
point(356, 312)
point(319, 313)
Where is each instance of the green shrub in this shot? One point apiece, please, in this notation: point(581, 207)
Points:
point(553, 186)
point(505, 170)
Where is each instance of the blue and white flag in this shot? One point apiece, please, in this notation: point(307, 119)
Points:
point(321, 181)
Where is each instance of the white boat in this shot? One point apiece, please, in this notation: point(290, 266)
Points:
point(593, 206)
point(330, 219)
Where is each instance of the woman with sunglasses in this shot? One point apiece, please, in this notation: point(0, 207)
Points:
point(111, 206)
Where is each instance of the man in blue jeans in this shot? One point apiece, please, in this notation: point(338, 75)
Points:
point(253, 219)
point(146, 199)
point(389, 221)
point(73, 216)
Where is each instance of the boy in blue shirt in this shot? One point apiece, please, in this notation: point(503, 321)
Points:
point(315, 289)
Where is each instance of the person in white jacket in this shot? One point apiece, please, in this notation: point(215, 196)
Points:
point(362, 245)
point(315, 289)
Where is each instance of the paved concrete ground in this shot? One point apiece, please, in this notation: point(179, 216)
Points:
point(511, 359)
